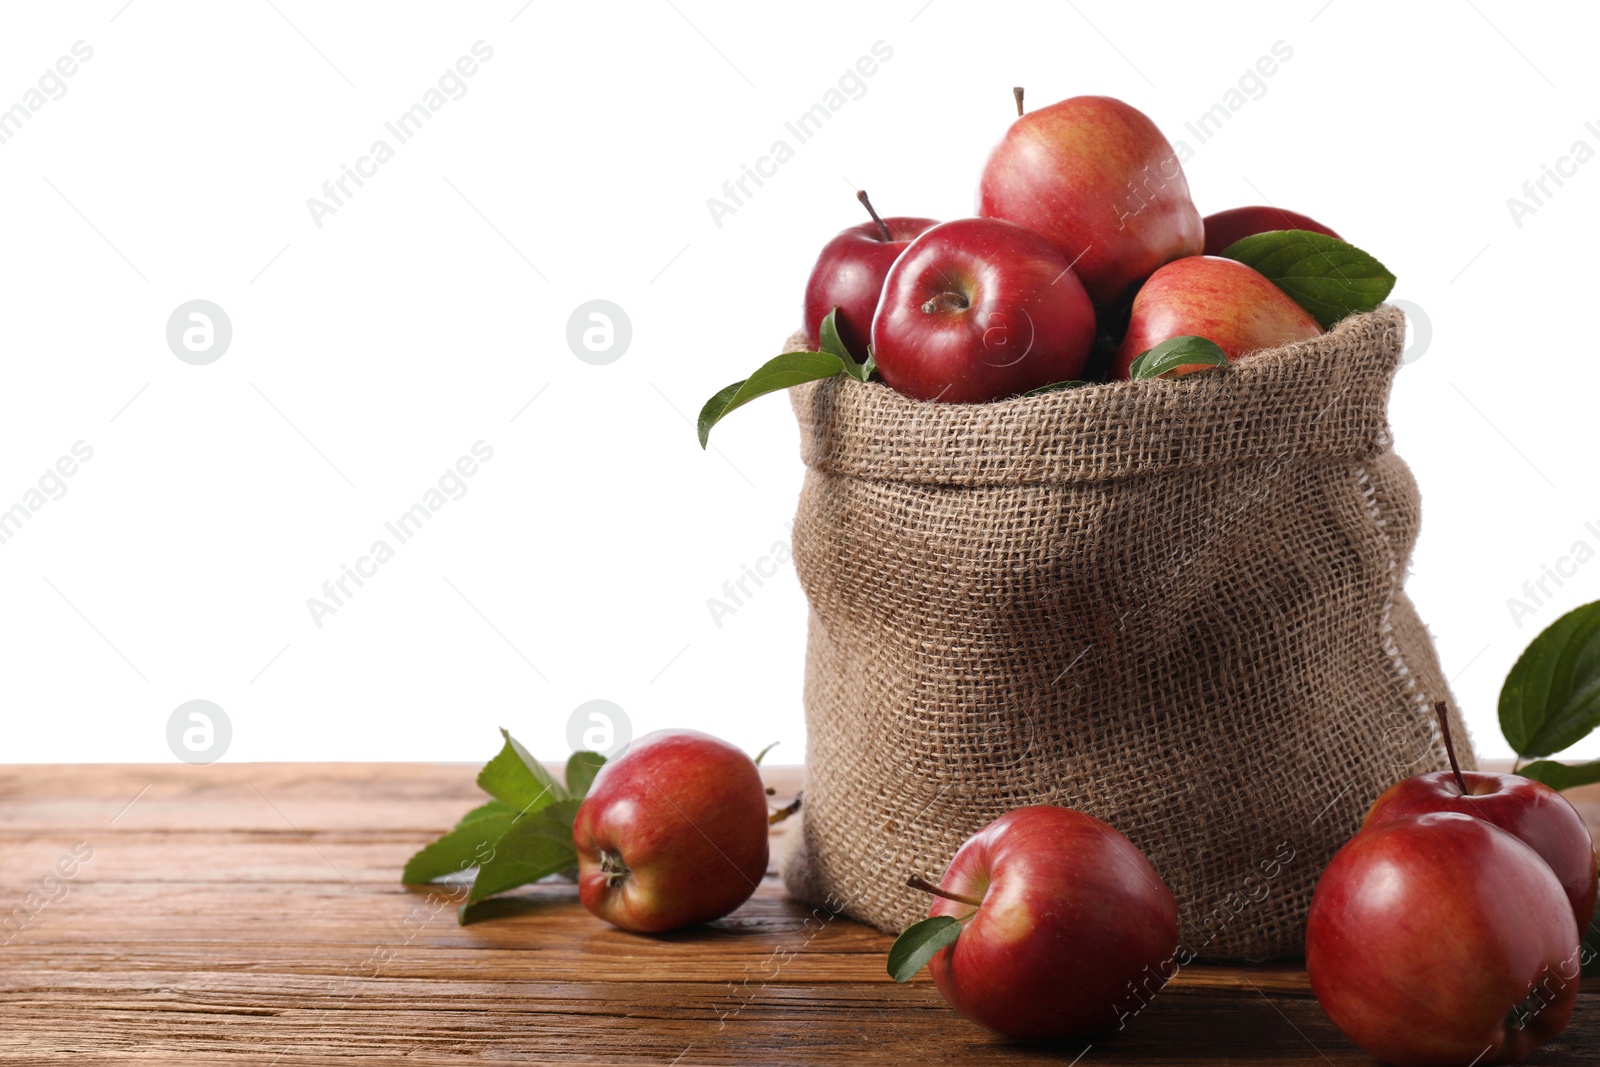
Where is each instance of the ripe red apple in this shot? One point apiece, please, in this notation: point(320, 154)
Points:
point(1441, 939)
point(1221, 300)
point(1096, 178)
point(1226, 227)
point(672, 833)
point(978, 310)
point(1530, 811)
point(849, 275)
point(1063, 918)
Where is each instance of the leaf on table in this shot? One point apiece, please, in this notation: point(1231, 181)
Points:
point(536, 846)
point(921, 941)
point(581, 768)
point(1328, 277)
point(1551, 698)
point(518, 779)
point(464, 847)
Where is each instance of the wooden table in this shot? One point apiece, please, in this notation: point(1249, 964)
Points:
point(250, 913)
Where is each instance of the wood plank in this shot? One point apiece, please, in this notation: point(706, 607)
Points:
point(250, 913)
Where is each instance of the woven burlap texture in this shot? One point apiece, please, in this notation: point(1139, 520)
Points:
point(1174, 605)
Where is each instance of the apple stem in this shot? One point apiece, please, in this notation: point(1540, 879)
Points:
point(883, 229)
point(1439, 709)
point(945, 302)
point(785, 811)
point(1016, 91)
point(916, 881)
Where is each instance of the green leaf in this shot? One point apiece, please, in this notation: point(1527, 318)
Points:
point(828, 339)
point(762, 754)
point(1559, 776)
point(1174, 354)
point(1328, 277)
point(1551, 698)
point(536, 846)
point(517, 778)
point(859, 371)
point(463, 848)
point(581, 769)
point(870, 367)
point(1055, 387)
point(782, 372)
point(718, 406)
point(486, 811)
point(920, 943)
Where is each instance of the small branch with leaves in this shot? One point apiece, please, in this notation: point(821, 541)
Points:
point(523, 833)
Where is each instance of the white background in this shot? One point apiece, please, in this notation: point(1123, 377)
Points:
point(368, 354)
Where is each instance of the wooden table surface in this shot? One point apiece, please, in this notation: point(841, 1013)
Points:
point(249, 913)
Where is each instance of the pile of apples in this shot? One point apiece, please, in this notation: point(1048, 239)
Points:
point(1087, 262)
point(1058, 913)
point(1446, 932)
point(1087, 252)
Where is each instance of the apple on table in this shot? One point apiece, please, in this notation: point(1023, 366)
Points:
point(1062, 927)
point(1447, 930)
point(1440, 939)
point(672, 833)
point(1530, 811)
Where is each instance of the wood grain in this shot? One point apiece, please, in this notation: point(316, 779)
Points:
point(249, 913)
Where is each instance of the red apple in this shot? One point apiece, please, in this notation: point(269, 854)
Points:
point(672, 833)
point(1063, 918)
point(849, 276)
point(1095, 177)
point(1221, 300)
point(1530, 811)
point(978, 310)
point(1441, 939)
point(1226, 227)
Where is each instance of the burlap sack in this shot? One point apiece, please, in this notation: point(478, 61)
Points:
point(1174, 605)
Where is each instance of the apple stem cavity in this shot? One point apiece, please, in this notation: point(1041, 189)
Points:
point(1440, 710)
point(945, 302)
point(883, 228)
point(1016, 91)
point(917, 882)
